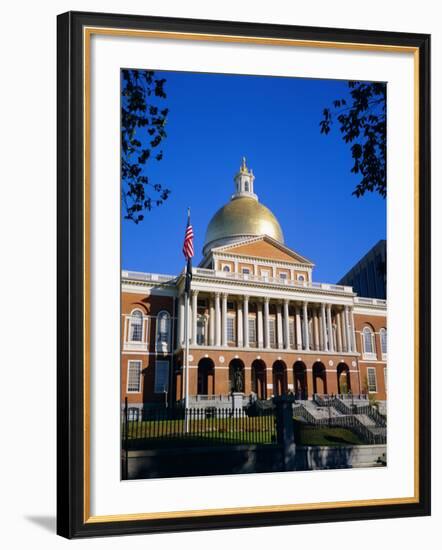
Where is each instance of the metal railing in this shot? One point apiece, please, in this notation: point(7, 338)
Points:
point(148, 277)
point(204, 426)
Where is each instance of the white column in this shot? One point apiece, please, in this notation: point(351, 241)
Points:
point(211, 323)
point(352, 331)
point(224, 321)
point(298, 328)
point(286, 325)
point(279, 326)
point(181, 321)
point(239, 324)
point(246, 321)
point(260, 327)
point(347, 329)
point(343, 331)
point(266, 323)
point(217, 320)
point(330, 329)
point(305, 319)
point(315, 328)
point(194, 315)
point(338, 331)
point(324, 329)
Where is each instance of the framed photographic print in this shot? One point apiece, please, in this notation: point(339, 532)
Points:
point(228, 307)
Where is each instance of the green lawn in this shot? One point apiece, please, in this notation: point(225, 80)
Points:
point(325, 436)
point(232, 430)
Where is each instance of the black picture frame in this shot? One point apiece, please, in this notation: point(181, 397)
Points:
point(72, 393)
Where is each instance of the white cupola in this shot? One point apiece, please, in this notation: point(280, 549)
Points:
point(244, 182)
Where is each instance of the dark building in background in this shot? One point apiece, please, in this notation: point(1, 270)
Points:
point(369, 276)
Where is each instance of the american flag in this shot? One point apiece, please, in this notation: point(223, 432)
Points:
point(188, 253)
point(188, 241)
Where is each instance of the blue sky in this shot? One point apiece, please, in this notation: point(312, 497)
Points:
point(302, 176)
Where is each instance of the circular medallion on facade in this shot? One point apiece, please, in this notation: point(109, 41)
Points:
point(190, 358)
point(221, 359)
point(353, 363)
point(330, 363)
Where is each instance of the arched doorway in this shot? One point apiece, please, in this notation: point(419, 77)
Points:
point(279, 378)
point(319, 378)
point(259, 379)
point(206, 377)
point(344, 382)
point(236, 376)
point(300, 380)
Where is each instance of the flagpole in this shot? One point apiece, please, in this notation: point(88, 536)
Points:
point(186, 360)
point(186, 335)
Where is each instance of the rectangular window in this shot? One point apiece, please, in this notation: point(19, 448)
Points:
point(161, 376)
point(201, 332)
point(252, 331)
point(283, 276)
point(231, 337)
point(292, 332)
point(272, 332)
point(265, 274)
point(133, 376)
point(371, 380)
point(246, 270)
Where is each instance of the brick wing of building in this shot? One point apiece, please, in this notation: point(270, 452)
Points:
point(258, 321)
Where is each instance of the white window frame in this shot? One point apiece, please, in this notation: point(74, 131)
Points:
point(368, 354)
point(139, 377)
point(254, 341)
point(163, 347)
point(232, 319)
point(155, 386)
point(382, 332)
point(265, 274)
point(292, 332)
point(141, 340)
point(201, 330)
point(272, 323)
point(373, 370)
point(226, 268)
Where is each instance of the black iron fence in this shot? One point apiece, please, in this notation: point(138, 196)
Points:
point(197, 426)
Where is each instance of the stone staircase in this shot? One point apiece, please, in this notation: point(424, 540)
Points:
point(357, 415)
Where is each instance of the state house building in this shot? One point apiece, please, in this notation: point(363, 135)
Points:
point(256, 314)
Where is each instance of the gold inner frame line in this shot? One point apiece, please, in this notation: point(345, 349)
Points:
point(87, 34)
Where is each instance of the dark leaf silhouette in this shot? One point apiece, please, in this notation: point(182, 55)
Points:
point(362, 123)
point(143, 121)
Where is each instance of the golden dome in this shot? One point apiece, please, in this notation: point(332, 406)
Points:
point(243, 216)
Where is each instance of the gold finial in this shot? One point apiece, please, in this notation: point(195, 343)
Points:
point(243, 165)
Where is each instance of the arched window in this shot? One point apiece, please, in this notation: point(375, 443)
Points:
point(383, 335)
point(368, 343)
point(301, 278)
point(136, 326)
point(226, 268)
point(163, 331)
point(246, 186)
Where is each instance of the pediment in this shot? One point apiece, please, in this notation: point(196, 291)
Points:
point(264, 248)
